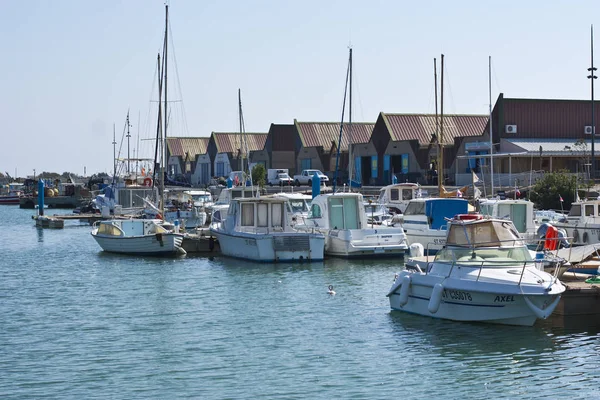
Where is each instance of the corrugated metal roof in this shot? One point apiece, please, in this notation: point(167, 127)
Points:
point(230, 142)
point(546, 118)
point(421, 127)
point(180, 146)
point(323, 134)
point(551, 147)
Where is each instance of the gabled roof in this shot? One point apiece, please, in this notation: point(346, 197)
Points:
point(323, 134)
point(180, 146)
point(230, 142)
point(421, 127)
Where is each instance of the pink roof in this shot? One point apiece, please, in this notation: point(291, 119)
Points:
point(421, 127)
point(180, 146)
point(323, 134)
point(229, 142)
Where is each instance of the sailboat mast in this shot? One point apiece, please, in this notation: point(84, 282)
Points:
point(166, 116)
point(437, 122)
point(128, 153)
point(241, 154)
point(441, 138)
point(156, 167)
point(350, 159)
point(491, 140)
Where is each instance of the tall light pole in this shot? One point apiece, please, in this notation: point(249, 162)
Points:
point(591, 77)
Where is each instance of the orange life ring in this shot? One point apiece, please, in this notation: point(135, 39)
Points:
point(148, 182)
point(551, 238)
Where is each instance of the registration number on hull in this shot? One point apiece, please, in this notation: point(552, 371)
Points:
point(457, 295)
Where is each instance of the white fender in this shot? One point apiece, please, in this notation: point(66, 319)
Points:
point(436, 298)
point(395, 286)
point(545, 313)
point(404, 290)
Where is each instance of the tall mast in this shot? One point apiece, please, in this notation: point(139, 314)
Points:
point(591, 77)
point(350, 159)
point(156, 170)
point(491, 138)
point(128, 153)
point(241, 149)
point(441, 138)
point(437, 121)
point(166, 116)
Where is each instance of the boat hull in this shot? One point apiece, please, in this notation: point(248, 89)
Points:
point(275, 247)
point(502, 304)
point(365, 243)
point(154, 244)
point(9, 200)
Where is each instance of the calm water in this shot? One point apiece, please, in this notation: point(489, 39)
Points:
point(78, 323)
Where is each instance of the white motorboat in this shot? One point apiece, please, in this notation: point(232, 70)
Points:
point(582, 223)
point(396, 196)
point(137, 237)
point(484, 273)
point(258, 229)
point(341, 218)
point(425, 220)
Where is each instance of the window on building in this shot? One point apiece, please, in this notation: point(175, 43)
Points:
point(404, 164)
point(306, 163)
point(373, 166)
point(220, 169)
point(386, 168)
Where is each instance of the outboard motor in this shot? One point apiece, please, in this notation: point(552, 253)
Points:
point(563, 242)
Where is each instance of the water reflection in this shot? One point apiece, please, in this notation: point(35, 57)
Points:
point(458, 339)
point(40, 235)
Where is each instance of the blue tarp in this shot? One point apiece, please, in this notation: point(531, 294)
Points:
point(439, 209)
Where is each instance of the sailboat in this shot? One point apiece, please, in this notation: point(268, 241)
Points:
point(144, 236)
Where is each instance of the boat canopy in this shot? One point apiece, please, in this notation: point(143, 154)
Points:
point(440, 209)
point(483, 233)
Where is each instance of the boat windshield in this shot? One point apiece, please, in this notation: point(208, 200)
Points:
point(489, 255)
point(298, 206)
point(203, 198)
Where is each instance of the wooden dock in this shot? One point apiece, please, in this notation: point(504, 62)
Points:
point(91, 218)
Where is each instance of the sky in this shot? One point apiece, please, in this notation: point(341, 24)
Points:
point(71, 69)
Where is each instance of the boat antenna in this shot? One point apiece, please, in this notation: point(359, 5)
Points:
point(337, 157)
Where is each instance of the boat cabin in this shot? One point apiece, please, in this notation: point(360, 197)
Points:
point(493, 241)
point(258, 215)
point(586, 208)
point(434, 211)
point(338, 211)
point(520, 212)
point(396, 196)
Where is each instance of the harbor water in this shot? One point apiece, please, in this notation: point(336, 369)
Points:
point(79, 323)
